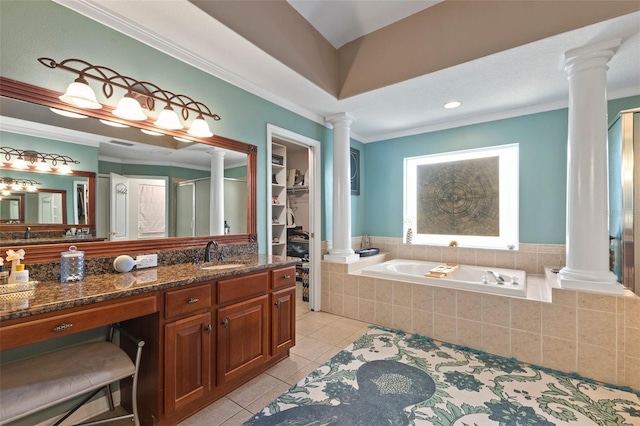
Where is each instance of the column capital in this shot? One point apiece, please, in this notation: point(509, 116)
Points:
point(216, 153)
point(341, 117)
point(596, 55)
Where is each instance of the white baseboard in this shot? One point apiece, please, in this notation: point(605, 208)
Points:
point(87, 411)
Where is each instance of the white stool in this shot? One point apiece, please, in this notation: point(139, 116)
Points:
point(31, 385)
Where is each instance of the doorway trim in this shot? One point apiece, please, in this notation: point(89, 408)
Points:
point(315, 165)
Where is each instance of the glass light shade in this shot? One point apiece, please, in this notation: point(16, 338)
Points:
point(31, 188)
point(112, 123)
point(64, 169)
point(179, 139)
point(81, 95)
point(67, 113)
point(43, 166)
point(19, 163)
point(6, 192)
point(151, 132)
point(129, 109)
point(16, 187)
point(3, 186)
point(200, 128)
point(168, 119)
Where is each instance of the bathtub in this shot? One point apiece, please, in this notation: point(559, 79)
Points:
point(465, 277)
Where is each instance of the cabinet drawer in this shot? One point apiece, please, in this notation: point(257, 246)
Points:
point(36, 330)
point(242, 287)
point(283, 277)
point(186, 300)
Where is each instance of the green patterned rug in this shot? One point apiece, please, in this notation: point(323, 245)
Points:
point(389, 378)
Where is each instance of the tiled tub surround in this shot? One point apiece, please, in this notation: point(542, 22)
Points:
point(595, 335)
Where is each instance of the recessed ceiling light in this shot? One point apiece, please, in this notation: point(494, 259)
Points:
point(452, 104)
point(112, 123)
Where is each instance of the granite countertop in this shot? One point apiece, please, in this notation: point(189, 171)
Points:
point(51, 296)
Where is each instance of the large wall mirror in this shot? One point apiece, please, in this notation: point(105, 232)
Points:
point(130, 189)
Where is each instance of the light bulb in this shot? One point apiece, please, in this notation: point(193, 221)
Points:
point(31, 188)
point(16, 187)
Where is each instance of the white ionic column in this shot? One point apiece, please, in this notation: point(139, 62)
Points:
point(587, 176)
point(341, 250)
point(216, 216)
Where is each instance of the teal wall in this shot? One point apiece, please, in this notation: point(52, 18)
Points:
point(543, 169)
point(378, 208)
point(63, 34)
point(358, 203)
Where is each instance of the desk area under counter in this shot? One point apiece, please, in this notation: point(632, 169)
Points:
point(206, 331)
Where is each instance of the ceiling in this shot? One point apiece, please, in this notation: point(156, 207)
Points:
point(343, 21)
point(524, 79)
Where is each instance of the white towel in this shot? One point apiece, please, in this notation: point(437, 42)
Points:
point(151, 209)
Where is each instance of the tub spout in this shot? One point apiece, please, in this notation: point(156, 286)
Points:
point(499, 278)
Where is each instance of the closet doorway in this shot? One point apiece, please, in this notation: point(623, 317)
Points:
point(294, 212)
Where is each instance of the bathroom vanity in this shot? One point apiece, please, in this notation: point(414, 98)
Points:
point(206, 331)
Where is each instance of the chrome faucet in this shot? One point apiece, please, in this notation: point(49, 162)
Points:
point(499, 278)
point(207, 250)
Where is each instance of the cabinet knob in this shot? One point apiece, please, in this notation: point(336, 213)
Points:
point(62, 327)
point(207, 328)
point(225, 322)
point(286, 277)
point(193, 300)
point(277, 303)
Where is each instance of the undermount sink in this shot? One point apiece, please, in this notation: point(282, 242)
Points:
point(223, 266)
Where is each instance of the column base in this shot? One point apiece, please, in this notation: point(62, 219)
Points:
point(605, 282)
point(342, 256)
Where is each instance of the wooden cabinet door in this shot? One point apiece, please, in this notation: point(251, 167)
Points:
point(242, 337)
point(283, 319)
point(187, 361)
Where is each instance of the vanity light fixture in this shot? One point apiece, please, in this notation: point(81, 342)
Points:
point(43, 162)
point(80, 94)
point(452, 104)
point(168, 119)
point(7, 183)
point(138, 95)
point(200, 128)
point(129, 109)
